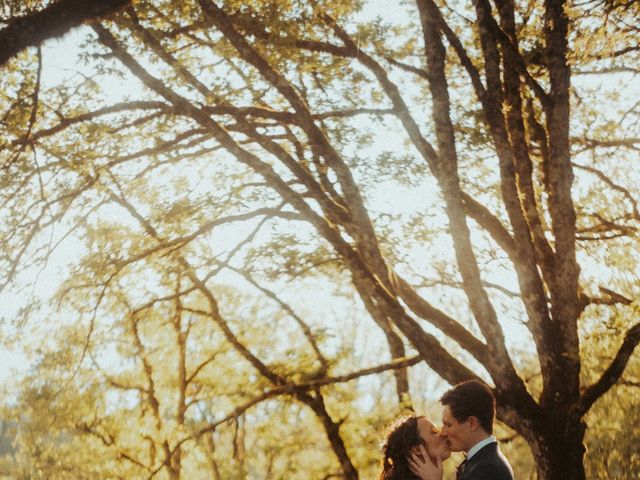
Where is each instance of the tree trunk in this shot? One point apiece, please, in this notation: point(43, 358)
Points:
point(558, 448)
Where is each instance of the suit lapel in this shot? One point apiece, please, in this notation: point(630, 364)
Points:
point(460, 469)
point(468, 463)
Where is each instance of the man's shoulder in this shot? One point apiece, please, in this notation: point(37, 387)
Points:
point(490, 464)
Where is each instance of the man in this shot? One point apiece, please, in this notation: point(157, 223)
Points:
point(467, 425)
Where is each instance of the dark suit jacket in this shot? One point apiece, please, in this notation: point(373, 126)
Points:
point(487, 464)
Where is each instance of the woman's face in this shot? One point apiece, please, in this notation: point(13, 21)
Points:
point(436, 445)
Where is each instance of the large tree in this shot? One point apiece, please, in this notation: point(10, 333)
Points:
point(286, 101)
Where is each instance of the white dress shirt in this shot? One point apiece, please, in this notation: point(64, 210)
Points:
point(473, 450)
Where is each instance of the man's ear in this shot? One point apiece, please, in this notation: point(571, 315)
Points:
point(474, 423)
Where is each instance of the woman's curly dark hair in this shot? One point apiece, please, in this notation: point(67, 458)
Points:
point(402, 436)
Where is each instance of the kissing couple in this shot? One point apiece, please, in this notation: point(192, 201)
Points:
point(414, 448)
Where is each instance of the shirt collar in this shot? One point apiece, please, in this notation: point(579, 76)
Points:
point(482, 443)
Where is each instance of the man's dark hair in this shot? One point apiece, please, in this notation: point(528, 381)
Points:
point(471, 399)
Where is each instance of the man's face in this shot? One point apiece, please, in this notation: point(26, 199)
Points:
point(435, 444)
point(457, 434)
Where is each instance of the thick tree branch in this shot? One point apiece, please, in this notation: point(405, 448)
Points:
point(441, 320)
point(52, 21)
point(518, 138)
point(448, 180)
point(565, 302)
point(363, 234)
point(154, 44)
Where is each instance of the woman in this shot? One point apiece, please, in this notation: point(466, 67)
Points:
point(416, 436)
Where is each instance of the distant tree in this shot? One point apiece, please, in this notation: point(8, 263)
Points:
point(295, 112)
point(179, 381)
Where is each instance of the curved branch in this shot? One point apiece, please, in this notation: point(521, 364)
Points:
point(308, 333)
point(613, 372)
point(602, 176)
point(291, 389)
point(67, 122)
